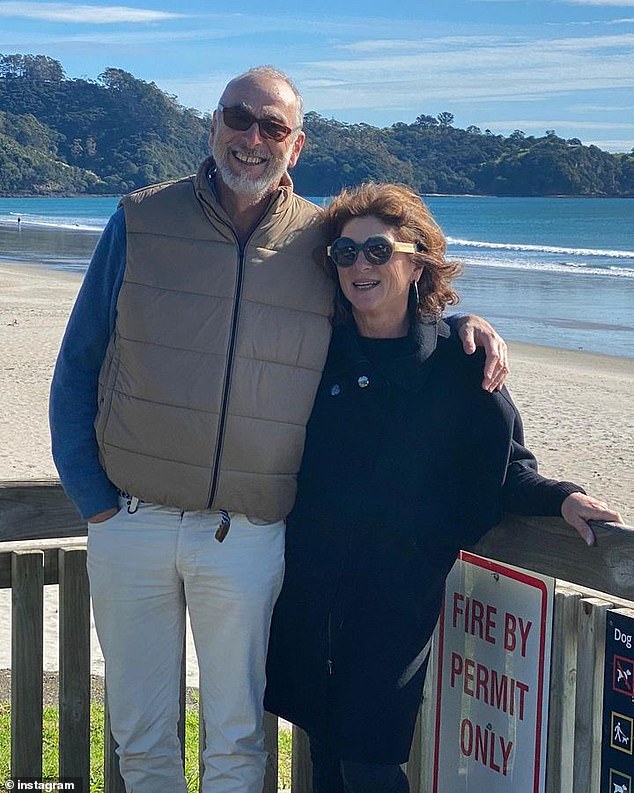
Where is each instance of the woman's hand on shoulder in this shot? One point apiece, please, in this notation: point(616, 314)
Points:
point(474, 332)
point(579, 508)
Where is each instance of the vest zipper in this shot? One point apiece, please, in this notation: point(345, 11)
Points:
point(228, 370)
point(330, 664)
point(232, 343)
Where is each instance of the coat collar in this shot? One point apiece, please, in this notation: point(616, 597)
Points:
point(409, 371)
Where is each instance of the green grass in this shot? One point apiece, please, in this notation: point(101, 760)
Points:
point(51, 745)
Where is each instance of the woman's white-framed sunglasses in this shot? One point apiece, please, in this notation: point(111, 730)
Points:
point(377, 249)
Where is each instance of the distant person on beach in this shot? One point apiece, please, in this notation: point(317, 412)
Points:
point(178, 410)
point(407, 460)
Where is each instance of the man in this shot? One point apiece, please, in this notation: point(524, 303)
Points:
point(178, 408)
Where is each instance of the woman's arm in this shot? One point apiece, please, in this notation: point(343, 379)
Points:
point(527, 492)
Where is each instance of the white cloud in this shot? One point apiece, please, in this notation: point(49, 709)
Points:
point(83, 14)
point(388, 45)
point(612, 145)
point(592, 23)
point(588, 108)
point(619, 3)
point(543, 124)
point(509, 69)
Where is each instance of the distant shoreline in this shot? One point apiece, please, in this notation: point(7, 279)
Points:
point(424, 195)
point(61, 195)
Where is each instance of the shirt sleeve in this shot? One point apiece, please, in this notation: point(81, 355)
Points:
point(73, 400)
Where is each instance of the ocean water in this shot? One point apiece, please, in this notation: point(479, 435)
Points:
point(551, 271)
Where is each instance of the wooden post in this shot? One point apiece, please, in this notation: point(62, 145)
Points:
point(414, 765)
point(563, 687)
point(113, 782)
point(270, 744)
point(589, 705)
point(74, 666)
point(202, 739)
point(182, 702)
point(428, 723)
point(27, 653)
point(302, 767)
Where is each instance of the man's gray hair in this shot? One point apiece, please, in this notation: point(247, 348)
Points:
point(275, 74)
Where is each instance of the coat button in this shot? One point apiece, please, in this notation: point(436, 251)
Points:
point(363, 381)
point(335, 390)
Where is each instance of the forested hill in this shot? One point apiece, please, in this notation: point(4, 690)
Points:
point(116, 133)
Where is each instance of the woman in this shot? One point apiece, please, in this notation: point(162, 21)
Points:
point(406, 461)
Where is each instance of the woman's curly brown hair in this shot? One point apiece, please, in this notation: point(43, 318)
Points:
point(401, 208)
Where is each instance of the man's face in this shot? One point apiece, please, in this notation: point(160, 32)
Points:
point(250, 164)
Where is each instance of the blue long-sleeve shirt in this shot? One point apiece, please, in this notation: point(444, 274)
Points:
point(73, 401)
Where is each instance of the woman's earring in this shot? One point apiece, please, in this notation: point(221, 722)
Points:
point(416, 295)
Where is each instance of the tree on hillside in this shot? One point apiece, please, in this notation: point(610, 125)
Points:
point(426, 121)
point(445, 119)
point(30, 67)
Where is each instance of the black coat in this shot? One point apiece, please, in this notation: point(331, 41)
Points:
point(406, 461)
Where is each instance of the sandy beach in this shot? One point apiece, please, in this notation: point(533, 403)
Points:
point(578, 408)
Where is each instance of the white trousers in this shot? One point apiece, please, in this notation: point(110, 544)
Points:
point(144, 569)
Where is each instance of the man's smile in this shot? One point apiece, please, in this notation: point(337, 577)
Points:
point(248, 159)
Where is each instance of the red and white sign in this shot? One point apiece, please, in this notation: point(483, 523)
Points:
point(494, 640)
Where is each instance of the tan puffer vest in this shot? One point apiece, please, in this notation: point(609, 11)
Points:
point(210, 375)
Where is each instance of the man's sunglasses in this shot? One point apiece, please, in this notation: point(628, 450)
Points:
point(239, 118)
point(377, 250)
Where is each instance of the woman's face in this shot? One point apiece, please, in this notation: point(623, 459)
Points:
point(378, 293)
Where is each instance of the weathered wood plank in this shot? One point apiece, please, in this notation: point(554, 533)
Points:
point(563, 687)
point(202, 740)
point(589, 702)
point(182, 701)
point(74, 666)
point(270, 744)
point(50, 548)
point(551, 547)
point(428, 719)
point(27, 653)
point(36, 509)
point(301, 764)
point(414, 765)
point(421, 753)
point(113, 782)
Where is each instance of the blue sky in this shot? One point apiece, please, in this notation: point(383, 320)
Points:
point(502, 65)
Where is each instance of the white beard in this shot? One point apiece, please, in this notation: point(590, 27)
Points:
point(243, 184)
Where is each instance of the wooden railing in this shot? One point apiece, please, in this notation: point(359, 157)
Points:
point(42, 541)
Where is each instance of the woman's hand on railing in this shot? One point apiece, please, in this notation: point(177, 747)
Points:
point(579, 508)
